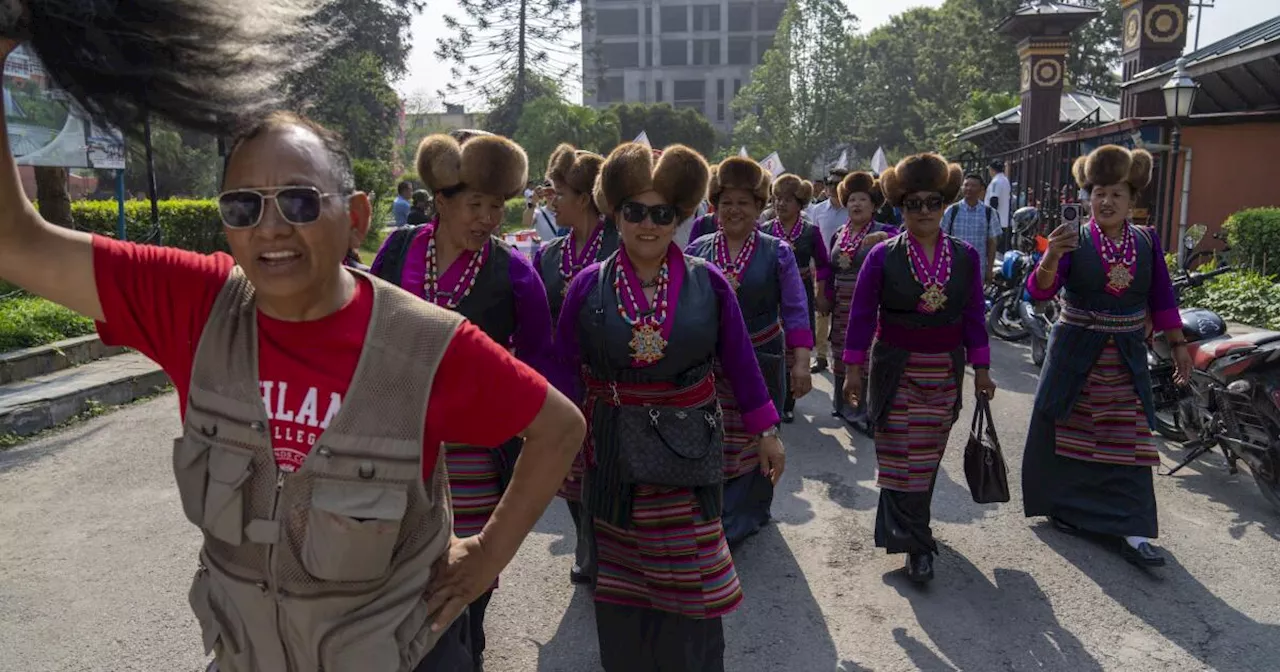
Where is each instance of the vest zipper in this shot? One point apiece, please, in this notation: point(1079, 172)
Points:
point(273, 581)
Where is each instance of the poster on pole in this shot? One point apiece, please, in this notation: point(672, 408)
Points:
point(47, 128)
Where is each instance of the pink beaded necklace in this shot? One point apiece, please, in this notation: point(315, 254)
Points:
point(933, 279)
point(466, 281)
point(733, 269)
point(647, 342)
point(570, 263)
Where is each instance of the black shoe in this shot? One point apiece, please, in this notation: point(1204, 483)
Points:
point(1145, 555)
point(920, 567)
point(578, 577)
point(788, 417)
point(819, 366)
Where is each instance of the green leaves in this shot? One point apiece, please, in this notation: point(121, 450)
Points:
point(1254, 234)
point(548, 121)
point(28, 321)
point(665, 126)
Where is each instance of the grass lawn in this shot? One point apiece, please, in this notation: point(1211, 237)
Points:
point(27, 321)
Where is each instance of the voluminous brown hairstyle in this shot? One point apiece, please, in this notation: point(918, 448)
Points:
point(489, 164)
point(680, 176)
point(739, 173)
point(928, 172)
point(788, 185)
point(574, 168)
point(859, 182)
point(1112, 164)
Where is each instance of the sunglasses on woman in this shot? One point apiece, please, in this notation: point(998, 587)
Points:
point(243, 208)
point(920, 204)
point(662, 215)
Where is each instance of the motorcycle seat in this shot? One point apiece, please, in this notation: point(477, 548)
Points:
point(1207, 352)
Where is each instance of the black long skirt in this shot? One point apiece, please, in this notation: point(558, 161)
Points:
point(1106, 499)
point(454, 651)
point(902, 522)
point(747, 501)
point(584, 552)
point(633, 639)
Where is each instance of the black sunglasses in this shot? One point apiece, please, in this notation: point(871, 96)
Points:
point(662, 215)
point(919, 204)
point(243, 208)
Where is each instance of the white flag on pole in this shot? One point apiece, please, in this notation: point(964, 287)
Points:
point(843, 162)
point(743, 152)
point(773, 164)
point(879, 164)
point(643, 139)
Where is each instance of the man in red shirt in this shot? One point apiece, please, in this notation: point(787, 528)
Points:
point(291, 214)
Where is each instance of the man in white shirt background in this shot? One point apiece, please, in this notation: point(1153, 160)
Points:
point(828, 215)
point(998, 197)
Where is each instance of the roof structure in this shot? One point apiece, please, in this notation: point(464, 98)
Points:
point(1238, 73)
point(1076, 105)
point(1045, 17)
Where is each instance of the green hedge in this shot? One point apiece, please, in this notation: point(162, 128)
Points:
point(188, 224)
point(28, 321)
point(1254, 235)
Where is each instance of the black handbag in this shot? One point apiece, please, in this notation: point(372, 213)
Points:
point(666, 445)
point(984, 465)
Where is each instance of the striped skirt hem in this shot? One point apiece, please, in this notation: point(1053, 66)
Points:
point(912, 437)
point(1107, 423)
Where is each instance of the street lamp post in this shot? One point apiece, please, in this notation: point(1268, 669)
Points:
point(1179, 99)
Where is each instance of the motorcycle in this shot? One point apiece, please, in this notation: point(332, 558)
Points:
point(1039, 317)
point(1008, 290)
point(1233, 399)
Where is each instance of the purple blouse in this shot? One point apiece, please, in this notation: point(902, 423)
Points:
point(795, 305)
point(864, 317)
point(733, 347)
point(1162, 303)
point(532, 338)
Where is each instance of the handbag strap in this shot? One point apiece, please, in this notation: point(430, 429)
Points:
point(984, 423)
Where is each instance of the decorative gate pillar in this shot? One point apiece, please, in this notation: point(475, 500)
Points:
point(1154, 32)
point(1043, 30)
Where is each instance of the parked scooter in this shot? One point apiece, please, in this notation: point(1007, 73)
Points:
point(1005, 319)
point(1233, 399)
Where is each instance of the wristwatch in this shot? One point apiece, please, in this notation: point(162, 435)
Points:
point(772, 431)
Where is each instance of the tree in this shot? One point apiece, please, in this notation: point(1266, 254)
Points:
point(507, 105)
point(548, 121)
point(357, 101)
point(184, 166)
point(799, 101)
point(666, 125)
point(500, 47)
point(52, 195)
point(1095, 52)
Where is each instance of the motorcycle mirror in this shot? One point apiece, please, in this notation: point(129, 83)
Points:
point(1195, 234)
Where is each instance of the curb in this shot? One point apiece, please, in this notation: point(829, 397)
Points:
point(36, 416)
point(31, 362)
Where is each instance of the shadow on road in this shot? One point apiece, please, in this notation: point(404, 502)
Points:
point(574, 647)
point(1175, 604)
point(779, 625)
point(36, 450)
point(1208, 476)
point(558, 523)
point(979, 625)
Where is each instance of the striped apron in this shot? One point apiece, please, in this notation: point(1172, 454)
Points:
point(740, 455)
point(913, 434)
point(672, 557)
point(1107, 423)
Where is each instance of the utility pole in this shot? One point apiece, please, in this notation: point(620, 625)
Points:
point(1200, 6)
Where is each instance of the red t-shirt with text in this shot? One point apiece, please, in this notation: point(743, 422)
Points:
point(158, 299)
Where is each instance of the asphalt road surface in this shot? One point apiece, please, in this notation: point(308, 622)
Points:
point(96, 556)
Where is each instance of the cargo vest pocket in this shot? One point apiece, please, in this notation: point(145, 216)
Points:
point(191, 471)
point(217, 630)
point(229, 468)
point(352, 529)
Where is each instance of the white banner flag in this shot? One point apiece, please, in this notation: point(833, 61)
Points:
point(743, 152)
point(773, 164)
point(643, 139)
point(879, 164)
point(843, 162)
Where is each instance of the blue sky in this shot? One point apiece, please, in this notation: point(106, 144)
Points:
point(426, 75)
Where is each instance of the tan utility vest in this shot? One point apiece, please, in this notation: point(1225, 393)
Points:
point(324, 569)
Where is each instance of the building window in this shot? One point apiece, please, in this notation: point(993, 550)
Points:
point(720, 111)
point(719, 100)
point(737, 86)
point(620, 55)
point(616, 22)
point(648, 54)
point(657, 91)
point(648, 20)
point(768, 16)
point(610, 90)
point(706, 18)
point(706, 52)
point(739, 51)
point(675, 52)
point(675, 19)
point(644, 91)
point(689, 92)
point(740, 17)
point(763, 45)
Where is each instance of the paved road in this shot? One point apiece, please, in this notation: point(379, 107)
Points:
point(95, 557)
